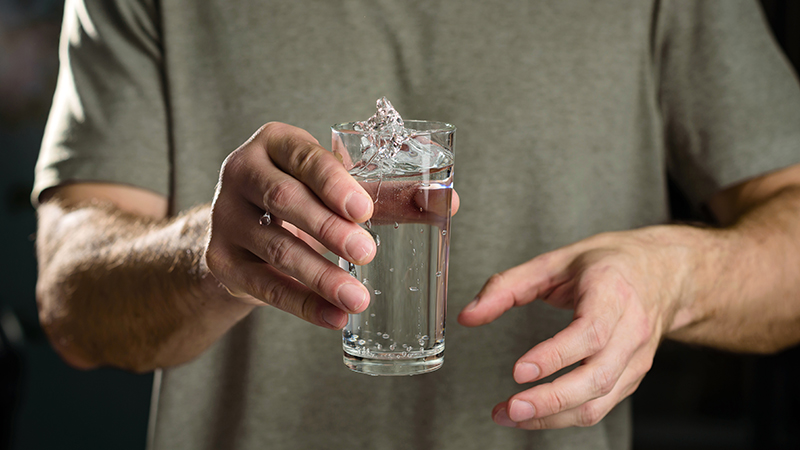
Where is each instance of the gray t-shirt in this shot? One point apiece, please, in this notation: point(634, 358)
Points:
point(570, 115)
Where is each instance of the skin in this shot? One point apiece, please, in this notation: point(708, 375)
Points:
point(733, 287)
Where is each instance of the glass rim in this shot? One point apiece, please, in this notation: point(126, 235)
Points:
point(438, 127)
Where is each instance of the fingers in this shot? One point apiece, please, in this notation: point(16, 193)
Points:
point(517, 286)
point(586, 394)
point(587, 414)
point(594, 327)
point(549, 407)
point(252, 174)
point(597, 377)
point(254, 277)
point(298, 154)
point(284, 252)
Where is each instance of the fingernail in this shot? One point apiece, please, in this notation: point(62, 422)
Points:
point(352, 296)
point(472, 305)
point(358, 247)
point(520, 410)
point(526, 372)
point(333, 317)
point(501, 418)
point(357, 205)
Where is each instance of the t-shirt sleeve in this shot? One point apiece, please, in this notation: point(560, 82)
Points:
point(729, 98)
point(108, 121)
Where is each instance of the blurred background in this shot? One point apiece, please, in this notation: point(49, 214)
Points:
point(693, 399)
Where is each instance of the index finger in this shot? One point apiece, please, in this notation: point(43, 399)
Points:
point(297, 153)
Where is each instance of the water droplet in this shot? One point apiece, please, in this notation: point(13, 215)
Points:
point(413, 289)
point(396, 225)
point(438, 274)
point(444, 232)
point(377, 292)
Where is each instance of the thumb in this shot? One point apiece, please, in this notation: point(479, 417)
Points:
point(517, 286)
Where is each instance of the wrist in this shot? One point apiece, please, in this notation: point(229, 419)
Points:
point(706, 254)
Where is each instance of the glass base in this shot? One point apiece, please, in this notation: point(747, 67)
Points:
point(394, 367)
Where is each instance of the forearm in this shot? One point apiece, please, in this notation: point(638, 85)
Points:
point(745, 293)
point(118, 290)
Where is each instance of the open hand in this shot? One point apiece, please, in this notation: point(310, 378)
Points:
point(625, 289)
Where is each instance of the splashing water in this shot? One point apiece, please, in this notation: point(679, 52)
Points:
point(389, 148)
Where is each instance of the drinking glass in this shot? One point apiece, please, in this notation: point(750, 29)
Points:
point(402, 331)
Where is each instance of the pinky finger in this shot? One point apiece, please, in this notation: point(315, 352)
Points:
point(265, 283)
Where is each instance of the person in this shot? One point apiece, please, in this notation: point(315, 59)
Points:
point(571, 116)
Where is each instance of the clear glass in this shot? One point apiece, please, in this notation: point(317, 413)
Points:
point(402, 331)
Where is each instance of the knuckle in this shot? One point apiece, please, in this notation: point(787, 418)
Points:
point(279, 196)
point(597, 335)
point(274, 292)
point(328, 228)
point(232, 165)
point(305, 156)
point(644, 332)
point(554, 359)
point(495, 280)
point(589, 414)
point(331, 181)
point(278, 252)
point(603, 380)
point(306, 307)
point(555, 402)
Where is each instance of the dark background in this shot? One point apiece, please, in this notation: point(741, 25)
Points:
point(692, 399)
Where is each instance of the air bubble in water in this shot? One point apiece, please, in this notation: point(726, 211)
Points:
point(361, 342)
point(396, 225)
point(391, 269)
point(444, 232)
point(385, 335)
point(438, 274)
point(377, 240)
point(377, 292)
point(413, 289)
